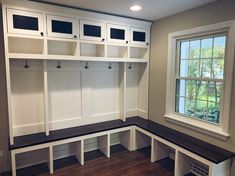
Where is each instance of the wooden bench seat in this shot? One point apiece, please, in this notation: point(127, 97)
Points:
point(194, 145)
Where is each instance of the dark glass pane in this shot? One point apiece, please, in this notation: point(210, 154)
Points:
point(139, 36)
point(117, 34)
point(25, 22)
point(92, 30)
point(62, 27)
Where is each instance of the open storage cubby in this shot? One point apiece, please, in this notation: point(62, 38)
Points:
point(121, 137)
point(31, 158)
point(117, 51)
point(137, 90)
point(27, 96)
point(60, 47)
point(20, 45)
point(139, 52)
point(101, 143)
point(161, 151)
point(141, 140)
point(69, 149)
point(187, 165)
point(92, 50)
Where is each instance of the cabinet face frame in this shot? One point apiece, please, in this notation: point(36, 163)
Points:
point(72, 20)
point(126, 35)
point(146, 31)
point(10, 22)
point(93, 23)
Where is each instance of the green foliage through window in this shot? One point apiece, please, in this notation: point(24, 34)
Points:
point(199, 81)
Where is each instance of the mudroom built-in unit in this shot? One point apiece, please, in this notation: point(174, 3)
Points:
point(77, 81)
point(72, 69)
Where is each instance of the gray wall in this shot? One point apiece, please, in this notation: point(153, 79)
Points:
point(215, 12)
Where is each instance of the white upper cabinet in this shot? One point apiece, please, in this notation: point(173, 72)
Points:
point(91, 30)
point(25, 22)
point(139, 36)
point(117, 33)
point(61, 27)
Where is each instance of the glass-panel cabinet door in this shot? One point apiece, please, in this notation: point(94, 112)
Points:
point(24, 22)
point(139, 36)
point(62, 27)
point(117, 34)
point(90, 30)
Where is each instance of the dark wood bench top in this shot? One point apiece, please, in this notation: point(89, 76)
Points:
point(201, 148)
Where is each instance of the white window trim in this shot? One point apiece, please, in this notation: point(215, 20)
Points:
point(219, 131)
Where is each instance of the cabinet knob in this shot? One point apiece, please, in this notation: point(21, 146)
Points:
point(126, 42)
point(75, 36)
point(41, 33)
point(147, 44)
point(103, 40)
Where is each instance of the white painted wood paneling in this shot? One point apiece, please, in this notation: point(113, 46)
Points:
point(64, 96)
point(27, 97)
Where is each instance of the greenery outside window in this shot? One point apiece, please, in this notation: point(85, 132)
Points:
point(199, 78)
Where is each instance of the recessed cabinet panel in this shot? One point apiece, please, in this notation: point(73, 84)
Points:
point(62, 27)
point(91, 30)
point(139, 36)
point(117, 34)
point(24, 22)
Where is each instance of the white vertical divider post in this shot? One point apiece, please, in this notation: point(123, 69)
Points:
point(133, 138)
point(46, 119)
point(51, 160)
point(79, 151)
point(8, 78)
point(104, 144)
point(122, 79)
point(13, 163)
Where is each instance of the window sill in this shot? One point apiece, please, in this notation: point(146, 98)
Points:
point(199, 126)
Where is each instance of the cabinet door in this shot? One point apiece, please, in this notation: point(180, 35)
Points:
point(139, 36)
point(25, 22)
point(117, 34)
point(62, 27)
point(90, 30)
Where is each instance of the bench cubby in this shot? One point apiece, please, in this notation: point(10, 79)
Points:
point(161, 151)
point(102, 143)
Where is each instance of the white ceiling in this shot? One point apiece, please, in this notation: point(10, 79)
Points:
point(151, 9)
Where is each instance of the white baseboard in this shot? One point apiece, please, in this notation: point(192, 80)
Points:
point(28, 129)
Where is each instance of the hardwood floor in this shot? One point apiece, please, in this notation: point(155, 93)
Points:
point(121, 163)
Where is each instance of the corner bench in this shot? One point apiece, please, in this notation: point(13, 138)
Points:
point(191, 155)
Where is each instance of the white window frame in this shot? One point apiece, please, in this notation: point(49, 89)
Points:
point(221, 130)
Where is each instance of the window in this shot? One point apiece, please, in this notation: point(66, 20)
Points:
point(199, 76)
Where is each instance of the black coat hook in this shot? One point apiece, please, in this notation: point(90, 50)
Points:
point(87, 66)
point(110, 66)
point(59, 65)
point(26, 64)
point(130, 66)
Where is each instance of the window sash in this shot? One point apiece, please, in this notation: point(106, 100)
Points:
point(178, 77)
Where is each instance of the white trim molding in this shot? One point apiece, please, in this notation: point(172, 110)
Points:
point(220, 131)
